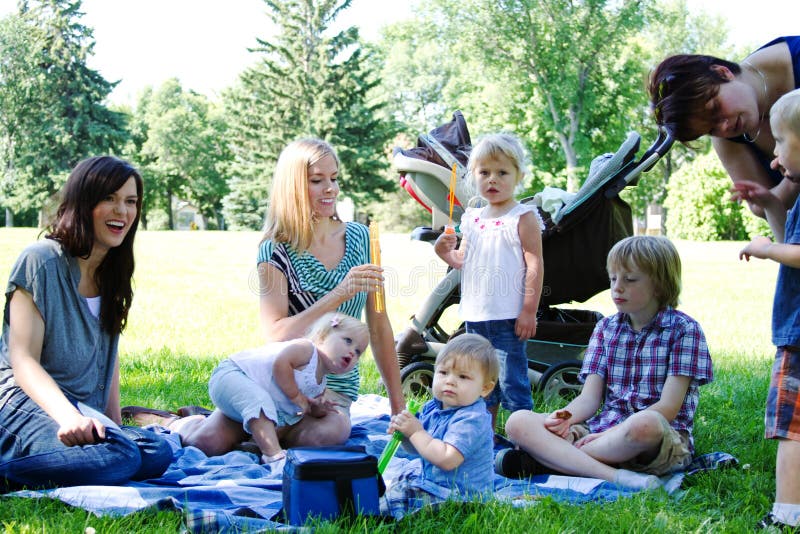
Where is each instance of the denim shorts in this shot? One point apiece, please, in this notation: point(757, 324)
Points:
point(241, 399)
point(782, 419)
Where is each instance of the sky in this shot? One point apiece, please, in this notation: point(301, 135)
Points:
point(204, 42)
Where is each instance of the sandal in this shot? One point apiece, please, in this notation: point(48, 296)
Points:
point(143, 416)
point(186, 411)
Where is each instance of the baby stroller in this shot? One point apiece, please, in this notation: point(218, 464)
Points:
point(579, 231)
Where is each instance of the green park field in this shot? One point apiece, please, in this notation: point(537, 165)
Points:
point(196, 301)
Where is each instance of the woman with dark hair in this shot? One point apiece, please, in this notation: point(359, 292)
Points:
point(67, 302)
point(694, 95)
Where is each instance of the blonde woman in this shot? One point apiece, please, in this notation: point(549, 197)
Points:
point(310, 263)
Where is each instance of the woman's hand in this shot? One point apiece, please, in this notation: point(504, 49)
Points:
point(319, 407)
point(367, 277)
point(755, 194)
point(81, 430)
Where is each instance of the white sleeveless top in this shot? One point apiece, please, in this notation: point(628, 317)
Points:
point(257, 364)
point(493, 275)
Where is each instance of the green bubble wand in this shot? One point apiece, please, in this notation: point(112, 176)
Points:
point(397, 437)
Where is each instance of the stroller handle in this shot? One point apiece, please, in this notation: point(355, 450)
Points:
point(655, 152)
point(660, 146)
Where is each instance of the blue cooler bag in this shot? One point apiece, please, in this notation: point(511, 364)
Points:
point(326, 482)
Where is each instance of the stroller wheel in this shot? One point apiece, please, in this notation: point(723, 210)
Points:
point(417, 380)
point(559, 383)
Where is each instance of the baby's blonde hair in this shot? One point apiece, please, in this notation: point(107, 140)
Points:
point(786, 111)
point(656, 257)
point(492, 145)
point(336, 321)
point(474, 349)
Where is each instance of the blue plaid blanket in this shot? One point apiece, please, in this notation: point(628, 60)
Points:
point(233, 492)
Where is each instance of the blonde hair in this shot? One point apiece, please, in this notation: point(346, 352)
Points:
point(474, 349)
point(492, 145)
point(786, 110)
point(656, 257)
point(336, 321)
point(289, 216)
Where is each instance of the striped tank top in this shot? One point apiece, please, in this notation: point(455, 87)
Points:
point(308, 280)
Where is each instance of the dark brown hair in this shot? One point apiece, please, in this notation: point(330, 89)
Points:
point(680, 87)
point(92, 180)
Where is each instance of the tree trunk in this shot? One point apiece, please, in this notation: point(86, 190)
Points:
point(169, 210)
point(9, 218)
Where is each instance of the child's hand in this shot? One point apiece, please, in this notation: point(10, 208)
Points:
point(585, 440)
point(525, 327)
point(445, 244)
point(757, 248)
point(405, 423)
point(558, 422)
point(303, 402)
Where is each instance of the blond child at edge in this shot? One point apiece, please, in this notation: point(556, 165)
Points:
point(453, 435)
point(641, 370)
point(501, 261)
point(782, 419)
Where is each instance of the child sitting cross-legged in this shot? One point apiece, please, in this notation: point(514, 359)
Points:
point(453, 435)
point(641, 370)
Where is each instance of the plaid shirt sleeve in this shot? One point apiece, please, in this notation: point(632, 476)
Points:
point(595, 359)
point(689, 351)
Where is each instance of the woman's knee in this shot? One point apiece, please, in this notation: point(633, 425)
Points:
point(155, 452)
point(333, 429)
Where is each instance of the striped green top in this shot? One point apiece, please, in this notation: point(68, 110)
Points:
point(308, 280)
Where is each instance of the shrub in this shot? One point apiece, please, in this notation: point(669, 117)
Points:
point(698, 203)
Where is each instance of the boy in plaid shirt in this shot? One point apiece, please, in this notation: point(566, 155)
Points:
point(642, 370)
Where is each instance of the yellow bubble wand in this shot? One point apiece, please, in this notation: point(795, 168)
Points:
point(375, 255)
point(449, 229)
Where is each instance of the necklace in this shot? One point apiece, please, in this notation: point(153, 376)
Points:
point(761, 115)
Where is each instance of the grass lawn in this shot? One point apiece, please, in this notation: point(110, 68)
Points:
point(196, 301)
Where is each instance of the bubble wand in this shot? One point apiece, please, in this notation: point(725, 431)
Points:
point(449, 229)
point(397, 437)
point(375, 254)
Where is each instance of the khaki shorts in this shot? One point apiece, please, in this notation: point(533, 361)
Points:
point(673, 456)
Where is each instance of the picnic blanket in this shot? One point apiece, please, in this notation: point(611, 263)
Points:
point(234, 492)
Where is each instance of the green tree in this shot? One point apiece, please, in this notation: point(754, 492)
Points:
point(21, 102)
point(562, 70)
point(698, 205)
point(672, 29)
point(181, 140)
point(73, 122)
point(308, 82)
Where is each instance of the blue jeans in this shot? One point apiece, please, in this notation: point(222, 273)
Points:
point(32, 456)
point(513, 386)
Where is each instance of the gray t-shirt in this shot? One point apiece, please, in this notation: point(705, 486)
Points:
point(76, 351)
